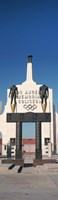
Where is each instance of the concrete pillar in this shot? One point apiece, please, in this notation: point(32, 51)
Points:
point(38, 148)
point(49, 150)
point(18, 140)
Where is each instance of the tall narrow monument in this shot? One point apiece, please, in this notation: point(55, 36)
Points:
point(28, 108)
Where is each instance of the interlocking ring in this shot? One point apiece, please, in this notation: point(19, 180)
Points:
point(30, 107)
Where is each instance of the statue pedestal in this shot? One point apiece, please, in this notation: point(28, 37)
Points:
point(13, 161)
point(42, 161)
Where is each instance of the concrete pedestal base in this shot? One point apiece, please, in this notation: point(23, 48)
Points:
point(13, 161)
point(42, 161)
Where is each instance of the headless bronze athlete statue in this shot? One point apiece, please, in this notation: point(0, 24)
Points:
point(44, 93)
point(13, 93)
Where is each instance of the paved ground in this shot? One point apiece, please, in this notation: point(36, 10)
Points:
point(33, 183)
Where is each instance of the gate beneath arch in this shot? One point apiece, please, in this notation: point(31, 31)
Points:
point(19, 118)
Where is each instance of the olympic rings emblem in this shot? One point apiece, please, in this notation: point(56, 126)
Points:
point(30, 107)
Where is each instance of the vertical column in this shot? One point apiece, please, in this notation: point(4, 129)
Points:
point(38, 148)
point(18, 140)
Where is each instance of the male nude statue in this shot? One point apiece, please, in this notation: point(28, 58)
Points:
point(44, 93)
point(13, 93)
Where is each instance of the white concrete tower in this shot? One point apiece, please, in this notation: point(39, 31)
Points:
point(29, 69)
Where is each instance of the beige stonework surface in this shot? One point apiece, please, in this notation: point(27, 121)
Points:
point(32, 183)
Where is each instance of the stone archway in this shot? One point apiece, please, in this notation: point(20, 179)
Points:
point(18, 118)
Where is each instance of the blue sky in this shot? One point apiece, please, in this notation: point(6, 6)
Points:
point(28, 27)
